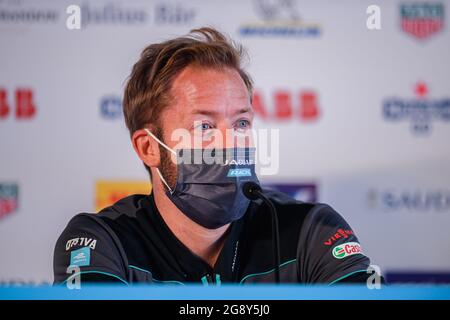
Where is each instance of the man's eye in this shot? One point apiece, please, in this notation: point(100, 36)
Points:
point(243, 124)
point(205, 126)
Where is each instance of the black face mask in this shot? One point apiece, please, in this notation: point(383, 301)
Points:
point(209, 184)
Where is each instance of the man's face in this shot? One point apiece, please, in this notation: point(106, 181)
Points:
point(210, 104)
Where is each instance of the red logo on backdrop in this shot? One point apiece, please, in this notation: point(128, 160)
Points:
point(9, 194)
point(340, 233)
point(23, 104)
point(422, 19)
point(287, 105)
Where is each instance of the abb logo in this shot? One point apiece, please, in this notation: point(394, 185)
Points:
point(24, 106)
point(286, 106)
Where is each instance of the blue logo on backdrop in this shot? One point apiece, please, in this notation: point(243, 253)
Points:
point(279, 18)
point(111, 107)
point(420, 111)
point(306, 192)
point(409, 200)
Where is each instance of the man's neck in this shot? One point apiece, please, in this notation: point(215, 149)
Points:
point(205, 243)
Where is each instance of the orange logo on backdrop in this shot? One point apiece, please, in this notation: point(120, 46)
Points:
point(107, 192)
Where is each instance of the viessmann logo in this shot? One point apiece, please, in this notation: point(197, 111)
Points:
point(346, 249)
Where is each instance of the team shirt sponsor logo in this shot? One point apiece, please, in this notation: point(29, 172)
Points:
point(239, 173)
point(85, 242)
point(347, 249)
point(80, 257)
point(340, 233)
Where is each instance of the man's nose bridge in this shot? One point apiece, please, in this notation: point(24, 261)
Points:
point(238, 139)
point(229, 138)
point(221, 139)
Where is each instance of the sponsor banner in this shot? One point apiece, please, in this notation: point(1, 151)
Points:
point(107, 192)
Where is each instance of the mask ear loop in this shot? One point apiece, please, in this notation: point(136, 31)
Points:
point(167, 148)
point(164, 180)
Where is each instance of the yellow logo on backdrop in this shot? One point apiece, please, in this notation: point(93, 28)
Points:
point(107, 192)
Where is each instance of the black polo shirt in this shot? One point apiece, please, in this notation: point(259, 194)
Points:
point(129, 242)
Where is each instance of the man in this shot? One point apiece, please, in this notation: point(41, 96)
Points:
point(197, 225)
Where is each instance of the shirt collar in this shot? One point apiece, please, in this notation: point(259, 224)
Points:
point(189, 264)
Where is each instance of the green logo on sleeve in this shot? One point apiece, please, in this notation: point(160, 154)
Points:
point(346, 249)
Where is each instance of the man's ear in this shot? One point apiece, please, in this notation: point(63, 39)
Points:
point(146, 148)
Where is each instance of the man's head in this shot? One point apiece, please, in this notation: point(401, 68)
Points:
point(195, 83)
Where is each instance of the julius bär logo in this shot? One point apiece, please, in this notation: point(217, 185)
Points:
point(421, 111)
point(422, 20)
point(9, 198)
point(346, 249)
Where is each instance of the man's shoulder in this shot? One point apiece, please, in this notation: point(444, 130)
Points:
point(109, 220)
point(300, 215)
point(127, 207)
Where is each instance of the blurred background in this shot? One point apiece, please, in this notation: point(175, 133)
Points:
point(361, 97)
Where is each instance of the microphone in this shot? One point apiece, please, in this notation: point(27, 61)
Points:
point(250, 190)
point(253, 191)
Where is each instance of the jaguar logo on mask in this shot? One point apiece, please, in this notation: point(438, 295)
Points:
point(209, 183)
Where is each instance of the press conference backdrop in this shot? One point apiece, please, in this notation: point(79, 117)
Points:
point(364, 116)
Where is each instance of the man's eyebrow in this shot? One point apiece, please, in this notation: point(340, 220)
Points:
point(214, 113)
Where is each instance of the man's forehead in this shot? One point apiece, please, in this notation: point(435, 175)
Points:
point(210, 92)
point(206, 83)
